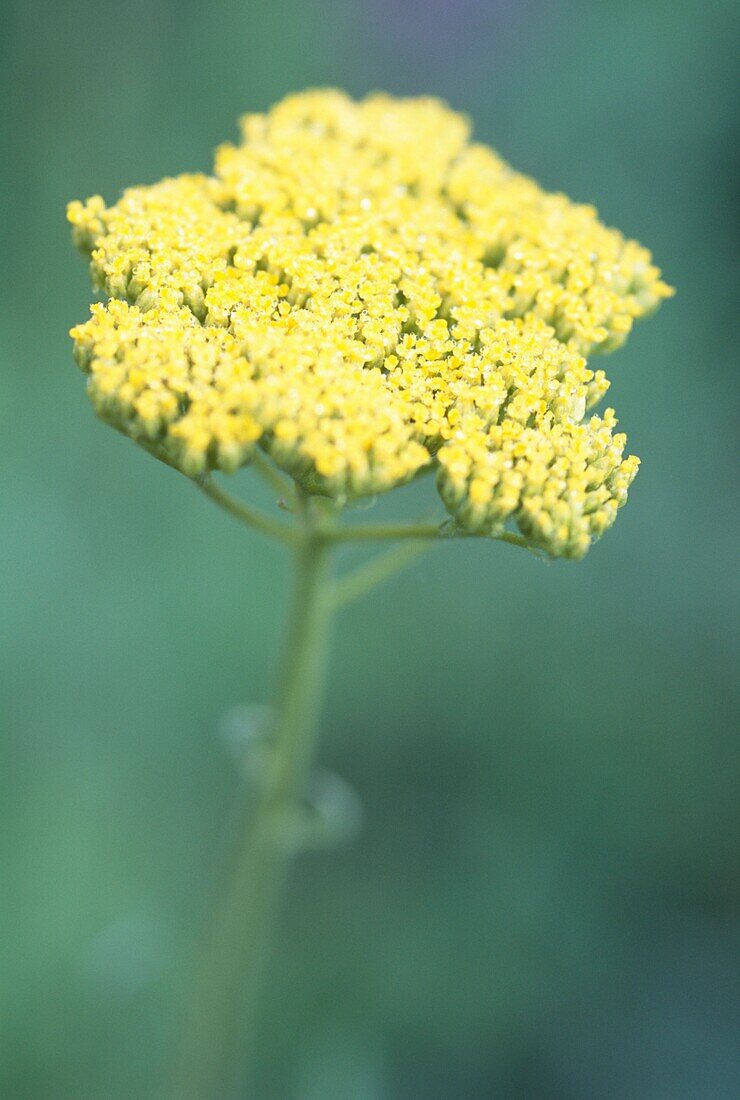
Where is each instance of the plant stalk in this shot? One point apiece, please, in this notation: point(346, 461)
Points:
point(223, 1015)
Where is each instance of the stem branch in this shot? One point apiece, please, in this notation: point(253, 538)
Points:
point(243, 512)
point(361, 580)
point(430, 531)
point(283, 486)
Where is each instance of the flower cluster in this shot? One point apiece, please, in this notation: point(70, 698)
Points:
point(363, 293)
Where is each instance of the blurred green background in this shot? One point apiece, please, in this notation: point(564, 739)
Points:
point(541, 901)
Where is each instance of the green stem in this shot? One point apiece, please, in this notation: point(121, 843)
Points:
point(222, 1016)
point(382, 532)
point(224, 1013)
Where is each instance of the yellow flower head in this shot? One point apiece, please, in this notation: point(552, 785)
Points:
point(363, 293)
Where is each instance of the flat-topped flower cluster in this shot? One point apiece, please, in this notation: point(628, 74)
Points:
point(363, 293)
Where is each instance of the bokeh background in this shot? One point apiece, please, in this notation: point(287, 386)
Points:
point(541, 901)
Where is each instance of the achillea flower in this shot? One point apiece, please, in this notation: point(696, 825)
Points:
point(364, 294)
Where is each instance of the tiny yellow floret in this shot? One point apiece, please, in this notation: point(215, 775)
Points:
point(363, 293)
